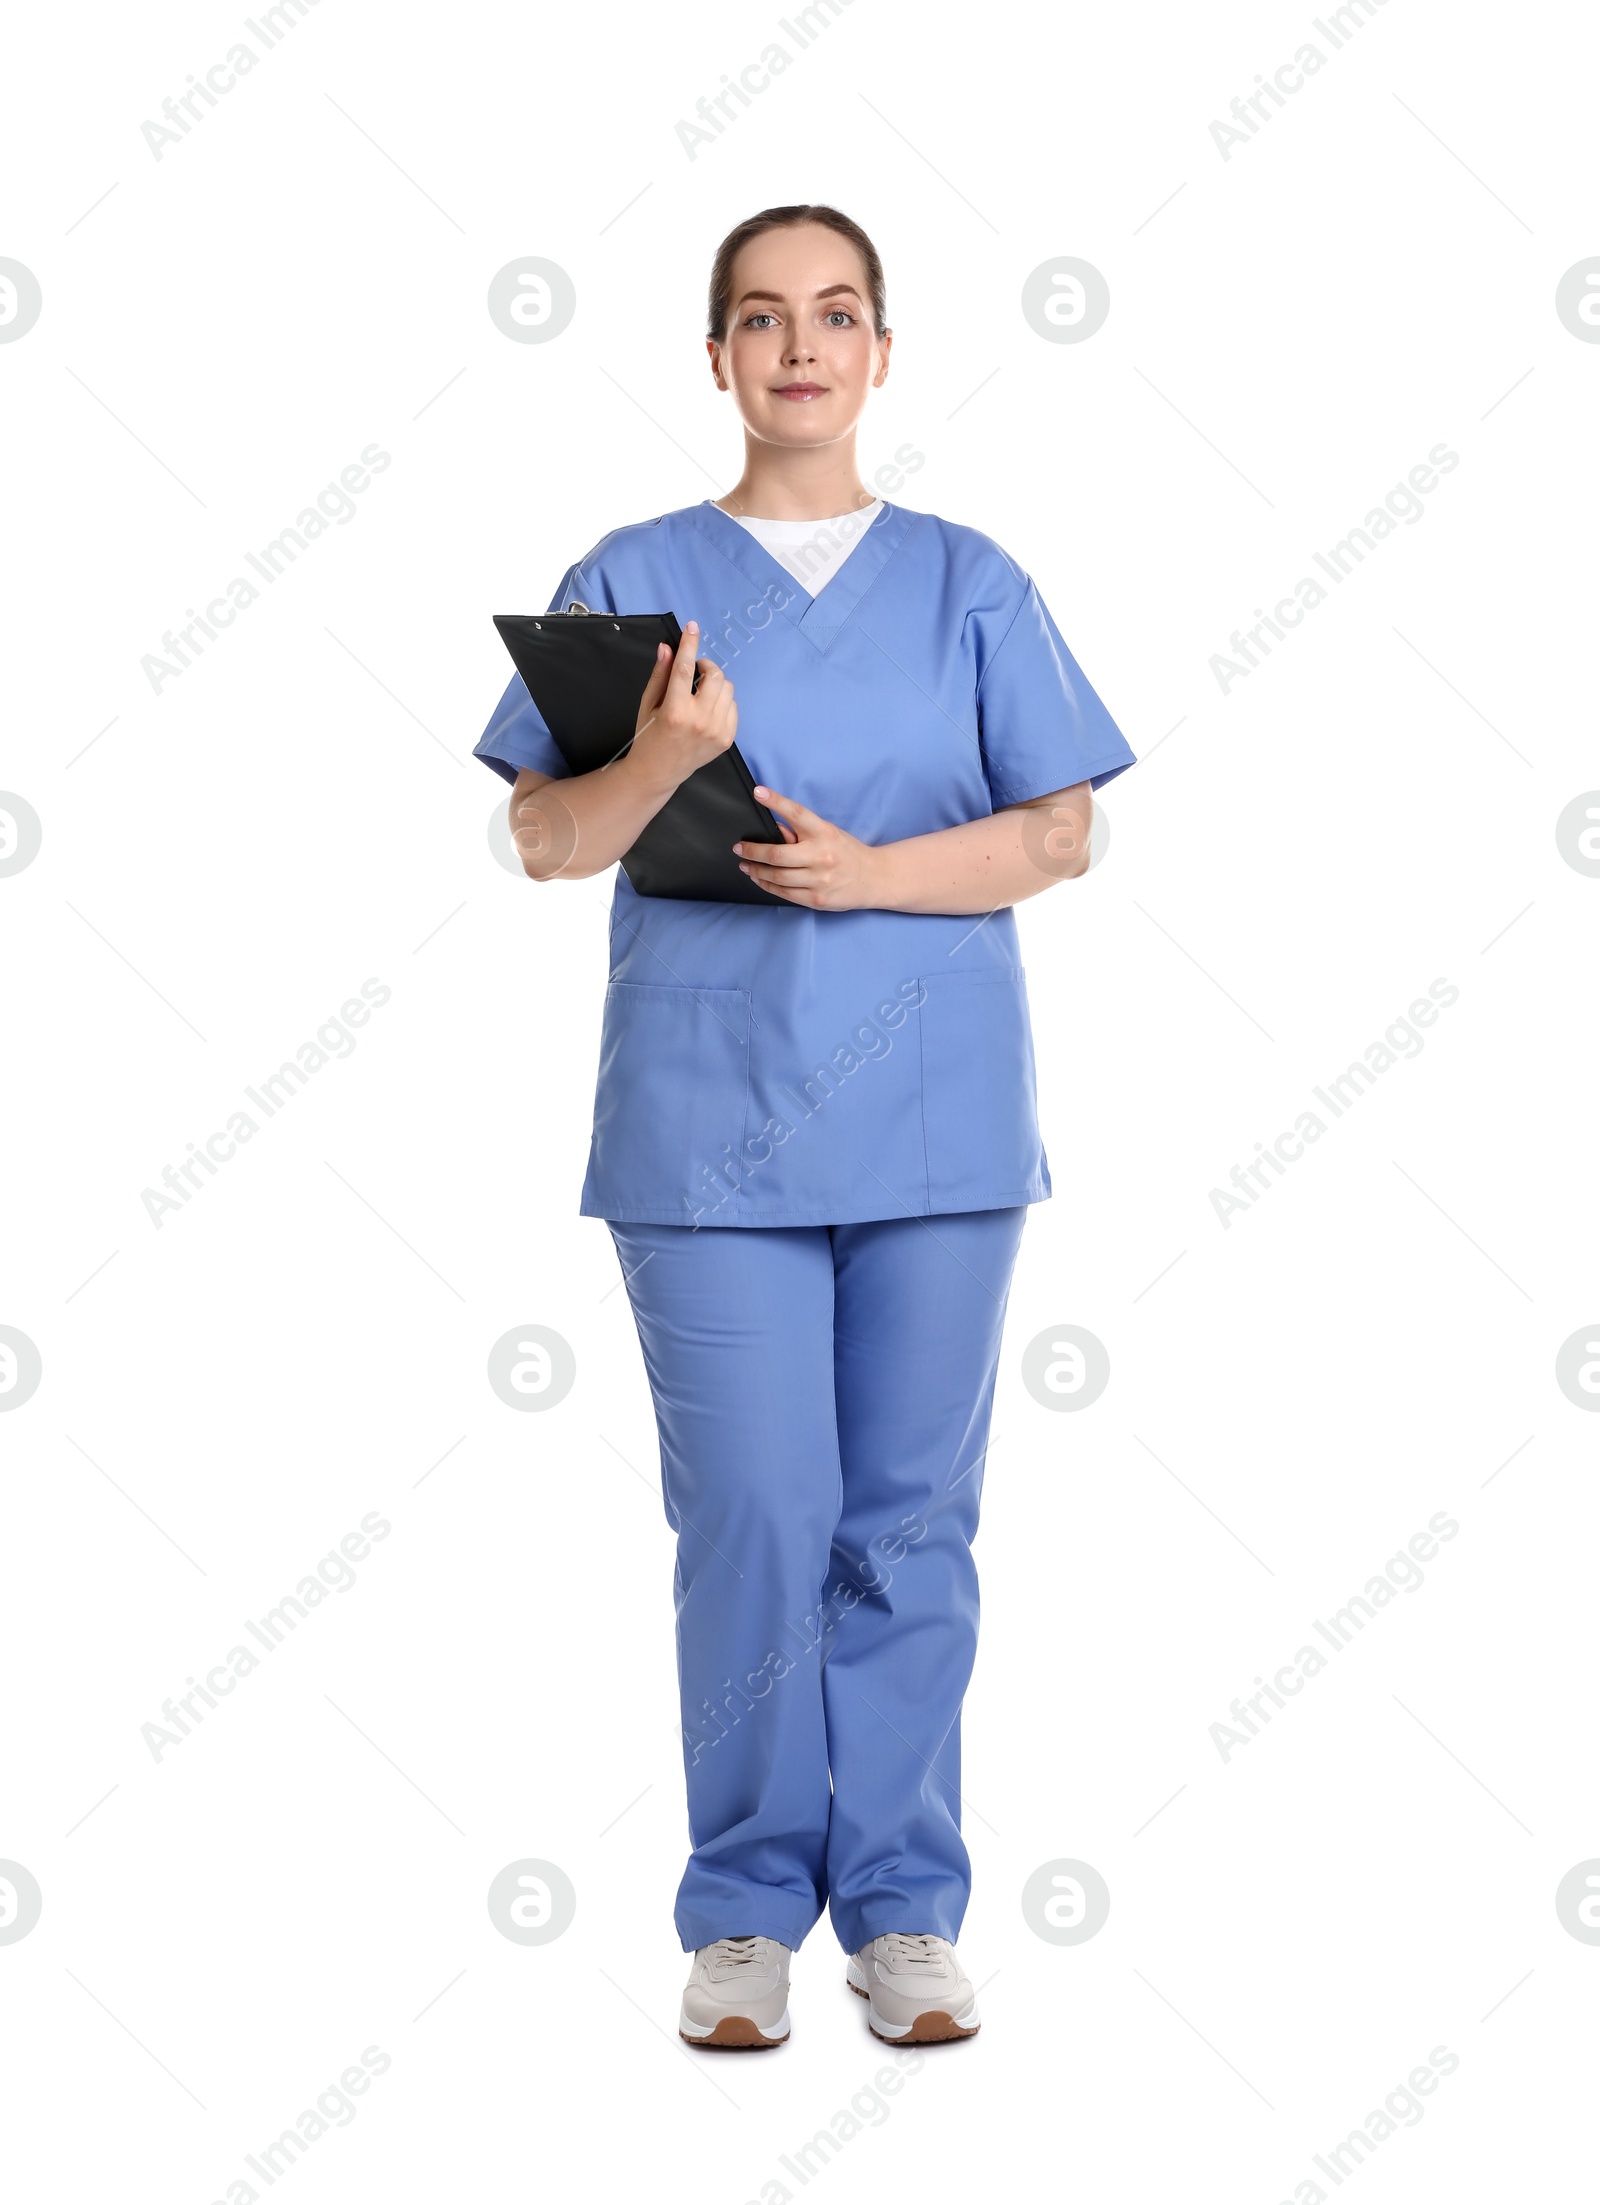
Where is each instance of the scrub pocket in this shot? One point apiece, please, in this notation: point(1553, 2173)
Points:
point(670, 1099)
point(979, 1109)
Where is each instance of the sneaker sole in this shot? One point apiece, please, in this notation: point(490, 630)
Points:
point(935, 2027)
point(734, 2033)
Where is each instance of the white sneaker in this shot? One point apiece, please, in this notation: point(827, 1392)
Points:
point(737, 1996)
point(914, 1988)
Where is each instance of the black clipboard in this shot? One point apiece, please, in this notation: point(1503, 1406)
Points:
point(586, 672)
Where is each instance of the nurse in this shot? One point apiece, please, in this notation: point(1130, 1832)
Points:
point(815, 1139)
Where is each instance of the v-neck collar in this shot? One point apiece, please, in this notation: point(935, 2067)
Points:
point(820, 618)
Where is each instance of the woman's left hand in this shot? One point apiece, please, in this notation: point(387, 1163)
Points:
point(817, 863)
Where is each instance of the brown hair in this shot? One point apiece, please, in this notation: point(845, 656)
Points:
point(720, 304)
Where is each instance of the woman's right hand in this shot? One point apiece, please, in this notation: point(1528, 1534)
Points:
point(681, 728)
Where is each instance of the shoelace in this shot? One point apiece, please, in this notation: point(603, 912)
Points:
point(735, 1955)
point(914, 1952)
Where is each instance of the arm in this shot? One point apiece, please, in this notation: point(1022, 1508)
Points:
point(981, 866)
point(572, 828)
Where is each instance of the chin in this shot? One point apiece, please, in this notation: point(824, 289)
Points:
point(814, 424)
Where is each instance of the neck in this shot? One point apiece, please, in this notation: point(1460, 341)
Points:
point(783, 485)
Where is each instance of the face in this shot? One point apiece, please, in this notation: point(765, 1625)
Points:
point(800, 354)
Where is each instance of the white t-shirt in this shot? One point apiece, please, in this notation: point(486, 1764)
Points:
point(812, 551)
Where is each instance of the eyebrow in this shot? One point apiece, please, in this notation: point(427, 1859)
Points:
point(831, 290)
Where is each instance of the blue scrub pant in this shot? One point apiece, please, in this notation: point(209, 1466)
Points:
point(822, 1397)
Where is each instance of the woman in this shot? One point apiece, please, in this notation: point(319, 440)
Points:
point(815, 1137)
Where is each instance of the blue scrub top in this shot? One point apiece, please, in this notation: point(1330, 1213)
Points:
point(783, 1066)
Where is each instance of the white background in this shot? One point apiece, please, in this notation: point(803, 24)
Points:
point(1292, 863)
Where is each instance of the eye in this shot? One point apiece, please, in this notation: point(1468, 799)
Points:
point(841, 315)
point(760, 315)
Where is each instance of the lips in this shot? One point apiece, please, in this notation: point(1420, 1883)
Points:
point(798, 392)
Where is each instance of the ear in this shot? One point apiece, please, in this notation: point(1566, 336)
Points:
point(884, 343)
point(714, 351)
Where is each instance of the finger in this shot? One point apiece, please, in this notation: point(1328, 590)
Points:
point(783, 887)
point(790, 878)
point(683, 665)
point(786, 855)
point(656, 687)
point(774, 876)
point(775, 883)
point(785, 807)
point(724, 713)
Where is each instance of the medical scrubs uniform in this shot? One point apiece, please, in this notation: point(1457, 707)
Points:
point(815, 1140)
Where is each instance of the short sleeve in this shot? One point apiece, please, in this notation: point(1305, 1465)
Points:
point(516, 737)
point(1040, 724)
